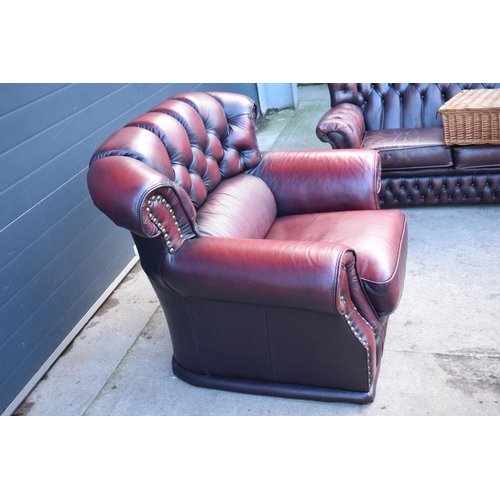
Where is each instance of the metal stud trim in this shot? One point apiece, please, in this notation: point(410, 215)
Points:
point(159, 224)
point(364, 344)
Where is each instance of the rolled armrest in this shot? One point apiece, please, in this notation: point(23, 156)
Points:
point(322, 181)
point(343, 127)
point(302, 275)
point(142, 200)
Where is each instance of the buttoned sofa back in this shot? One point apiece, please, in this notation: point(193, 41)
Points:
point(195, 139)
point(191, 142)
point(400, 105)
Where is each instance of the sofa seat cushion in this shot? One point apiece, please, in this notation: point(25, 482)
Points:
point(477, 156)
point(377, 237)
point(409, 148)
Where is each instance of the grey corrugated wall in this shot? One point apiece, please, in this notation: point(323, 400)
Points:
point(58, 253)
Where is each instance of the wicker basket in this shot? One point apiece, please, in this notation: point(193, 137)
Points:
point(472, 117)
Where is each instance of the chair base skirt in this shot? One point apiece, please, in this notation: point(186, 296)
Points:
point(276, 389)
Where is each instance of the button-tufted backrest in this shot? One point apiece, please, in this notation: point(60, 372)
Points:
point(195, 139)
point(400, 105)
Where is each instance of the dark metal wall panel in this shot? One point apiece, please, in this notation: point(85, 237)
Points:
point(58, 253)
point(18, 96)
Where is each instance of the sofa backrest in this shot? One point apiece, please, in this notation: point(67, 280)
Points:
point(196, 139)
point(399, 105)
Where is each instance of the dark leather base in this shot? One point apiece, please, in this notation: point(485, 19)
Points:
point(263, 388)
point(441, 187)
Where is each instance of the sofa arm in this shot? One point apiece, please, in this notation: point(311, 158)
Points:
point(322, 181)
point(297, 274)
point(138, 198)
point(343, 127)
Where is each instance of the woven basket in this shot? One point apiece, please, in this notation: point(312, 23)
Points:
point(472, 117)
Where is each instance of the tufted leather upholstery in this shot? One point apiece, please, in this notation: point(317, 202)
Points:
point(400, 105)
point(276, 271)
point(401, 121)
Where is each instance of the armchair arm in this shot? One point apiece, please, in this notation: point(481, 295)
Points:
point(322, 181)
point(138, 198)
point(302, 275)
point(343, 127)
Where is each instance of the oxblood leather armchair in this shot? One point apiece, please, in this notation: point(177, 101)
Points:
point(277, 272)
point(402, 122)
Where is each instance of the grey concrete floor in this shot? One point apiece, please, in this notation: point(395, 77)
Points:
point(442, 352)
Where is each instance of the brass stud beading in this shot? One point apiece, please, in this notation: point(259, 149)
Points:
point(363, 343)
point(159, 224)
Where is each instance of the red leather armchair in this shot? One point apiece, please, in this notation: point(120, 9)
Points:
point(276, 271)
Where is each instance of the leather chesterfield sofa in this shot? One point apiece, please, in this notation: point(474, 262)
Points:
point(276, 271)
point(401, 121)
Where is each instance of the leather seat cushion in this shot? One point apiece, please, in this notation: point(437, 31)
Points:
point(377, 237)
point(477, 156)
point(409, 148)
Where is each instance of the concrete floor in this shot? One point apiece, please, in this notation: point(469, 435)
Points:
point(442, 352)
